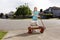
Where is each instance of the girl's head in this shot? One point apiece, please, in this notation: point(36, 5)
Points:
point(35, 8)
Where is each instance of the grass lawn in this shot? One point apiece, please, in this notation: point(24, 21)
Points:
point(2, 34)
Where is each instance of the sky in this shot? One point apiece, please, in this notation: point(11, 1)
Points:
point(10, 5)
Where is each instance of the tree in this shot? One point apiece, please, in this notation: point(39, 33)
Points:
point(1, 15)
point(6, 15)
point(23, 10)
point(41, 10)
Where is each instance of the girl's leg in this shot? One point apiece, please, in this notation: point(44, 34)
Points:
point(37, 23)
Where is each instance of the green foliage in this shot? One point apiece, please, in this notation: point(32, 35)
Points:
point(47, 15)
point(2, 34)
point(23, 10)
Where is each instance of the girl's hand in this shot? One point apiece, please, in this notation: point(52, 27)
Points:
point(38, 16)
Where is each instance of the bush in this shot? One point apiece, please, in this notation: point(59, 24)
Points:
point(46, 16)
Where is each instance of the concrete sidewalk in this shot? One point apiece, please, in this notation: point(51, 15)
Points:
point(49, 34)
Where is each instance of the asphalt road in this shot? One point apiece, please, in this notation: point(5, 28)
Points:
point(8, 24)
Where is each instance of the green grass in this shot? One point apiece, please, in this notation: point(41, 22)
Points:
point(2, 34)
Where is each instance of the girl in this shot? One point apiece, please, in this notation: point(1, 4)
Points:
point(35, 17)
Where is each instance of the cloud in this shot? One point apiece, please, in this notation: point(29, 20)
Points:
point(55, 2)
point(10, 5)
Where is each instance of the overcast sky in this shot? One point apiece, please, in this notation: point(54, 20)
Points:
point(10, 5)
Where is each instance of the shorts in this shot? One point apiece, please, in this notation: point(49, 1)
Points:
point(34, 23)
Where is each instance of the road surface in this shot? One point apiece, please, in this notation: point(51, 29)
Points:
point(17, 29)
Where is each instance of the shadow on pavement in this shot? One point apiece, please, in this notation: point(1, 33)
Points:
point(23, 35)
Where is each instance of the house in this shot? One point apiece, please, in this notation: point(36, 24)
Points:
point(10, 14)
point(54, 10)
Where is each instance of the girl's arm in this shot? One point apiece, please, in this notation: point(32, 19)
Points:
point(32, 13)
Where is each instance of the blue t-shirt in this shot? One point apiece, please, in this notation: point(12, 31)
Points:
point(35, 16)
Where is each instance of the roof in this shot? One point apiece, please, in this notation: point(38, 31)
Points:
point(55, 8)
